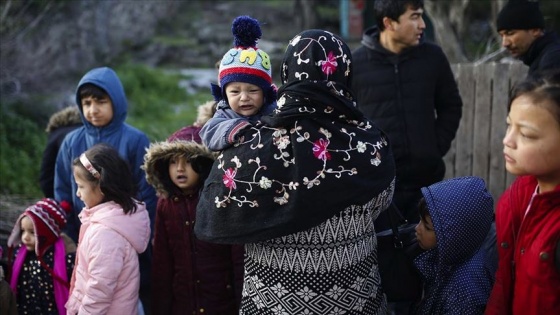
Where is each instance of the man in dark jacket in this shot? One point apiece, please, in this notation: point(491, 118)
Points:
point(521, 26)
point(406, 87)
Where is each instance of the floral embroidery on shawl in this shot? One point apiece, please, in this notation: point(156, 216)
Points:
point(320, 149)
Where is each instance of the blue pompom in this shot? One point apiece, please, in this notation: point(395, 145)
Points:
point(246, 31)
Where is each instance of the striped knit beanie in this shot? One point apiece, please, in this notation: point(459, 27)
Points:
point(245, 62)
point(49, 218)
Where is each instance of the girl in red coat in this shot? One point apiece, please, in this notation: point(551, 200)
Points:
point(528, 213)
point(189, 276)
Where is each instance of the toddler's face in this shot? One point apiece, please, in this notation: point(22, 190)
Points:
point(532, 140)
point(425, 233)
point(89, 192)
point(183, 175)
point(99, 112)
point(246, 99)
point(27, 233)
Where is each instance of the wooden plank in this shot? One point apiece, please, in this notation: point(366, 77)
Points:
point(464, 140)
point(449, 158)
point(481, 127)
point(497, 173)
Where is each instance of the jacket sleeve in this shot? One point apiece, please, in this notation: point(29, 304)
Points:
point(448, 105)
point(499, 302)
point(63, 187)
point(106, 260)
point(146, 192)
point(162, 265)
point(221, 130)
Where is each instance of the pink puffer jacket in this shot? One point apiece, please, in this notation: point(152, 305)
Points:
point(106, 276)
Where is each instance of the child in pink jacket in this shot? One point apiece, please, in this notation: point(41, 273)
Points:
point(115, 229)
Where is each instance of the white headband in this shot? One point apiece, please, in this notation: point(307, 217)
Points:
point(89, 167)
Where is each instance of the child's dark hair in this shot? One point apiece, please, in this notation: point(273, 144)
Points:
point(543, 87)
point(115, 178)
point(92, 90)
point(393, 9)
point(423, 209)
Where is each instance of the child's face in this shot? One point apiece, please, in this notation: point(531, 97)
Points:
point(99, 112)
point(425, 233)
point(89, 192)
point(27, 233)
point(246, 99)
point(532, 140)
point(182, 174)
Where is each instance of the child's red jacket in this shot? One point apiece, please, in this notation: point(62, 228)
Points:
point(528, 278)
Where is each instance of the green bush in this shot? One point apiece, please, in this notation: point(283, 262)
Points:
point(22, 142)
point(157, 105)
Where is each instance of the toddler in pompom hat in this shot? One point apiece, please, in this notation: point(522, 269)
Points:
point(246, 91)
point(44, 262)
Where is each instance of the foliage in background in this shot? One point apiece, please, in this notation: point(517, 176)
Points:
point(21, 141)
point(157, 106)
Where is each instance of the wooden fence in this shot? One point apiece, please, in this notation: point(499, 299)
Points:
point(477, 148)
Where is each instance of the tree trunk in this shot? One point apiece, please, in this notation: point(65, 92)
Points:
point(449, 23)
point(305, 14)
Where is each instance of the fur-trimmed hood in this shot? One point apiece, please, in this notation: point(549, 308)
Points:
point(205, 112)
point(65, 117)
point(157, 158)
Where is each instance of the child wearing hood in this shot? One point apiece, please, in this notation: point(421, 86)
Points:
point(44, 262)
point(455, 217)
point(101, 100)
point(188, 275)
point(246, 92)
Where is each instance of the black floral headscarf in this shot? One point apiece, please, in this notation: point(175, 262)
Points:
point(314, 157)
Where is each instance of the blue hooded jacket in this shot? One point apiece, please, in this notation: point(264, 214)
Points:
point(130, 142)
point(457, 273)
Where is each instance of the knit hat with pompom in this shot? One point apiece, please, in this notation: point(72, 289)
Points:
point(48, 217)
point(245, 62)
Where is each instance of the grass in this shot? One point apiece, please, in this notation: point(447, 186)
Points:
point(157, 104)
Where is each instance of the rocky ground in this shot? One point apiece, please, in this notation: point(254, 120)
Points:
point(11, 207)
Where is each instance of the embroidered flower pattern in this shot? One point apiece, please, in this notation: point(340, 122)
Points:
point(282, 142)
point(320, 149)
point(229, 178)
point(329, 66)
